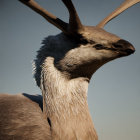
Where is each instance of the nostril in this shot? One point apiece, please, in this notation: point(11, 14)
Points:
point(118, 46)
point(130, 51)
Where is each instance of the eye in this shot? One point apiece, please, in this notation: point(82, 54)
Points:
point(84, 41)
point(99, 46)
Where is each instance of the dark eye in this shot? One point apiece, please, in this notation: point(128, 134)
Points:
point(99, 46)
point(84, 41)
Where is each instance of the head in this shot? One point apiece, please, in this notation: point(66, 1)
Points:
point(83, 49)
point(89, 50)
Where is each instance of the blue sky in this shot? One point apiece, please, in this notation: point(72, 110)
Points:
point(114, 91)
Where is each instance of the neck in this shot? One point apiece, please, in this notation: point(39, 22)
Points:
point(65, 105)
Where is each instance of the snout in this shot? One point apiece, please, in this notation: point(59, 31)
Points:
point(124, 47)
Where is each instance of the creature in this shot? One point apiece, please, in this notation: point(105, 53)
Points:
point(63, 68)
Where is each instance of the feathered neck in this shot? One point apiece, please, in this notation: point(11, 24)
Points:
point(65, 104)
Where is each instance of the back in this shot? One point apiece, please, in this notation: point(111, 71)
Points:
point(21, 118)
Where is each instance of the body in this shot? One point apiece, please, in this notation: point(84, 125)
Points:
point(21, 118)
point(63, 68)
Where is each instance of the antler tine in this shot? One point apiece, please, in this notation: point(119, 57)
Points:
point(126, 4)
point(48, 16)
point(75, 24)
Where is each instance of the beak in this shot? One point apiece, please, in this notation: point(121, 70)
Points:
point(124, 47)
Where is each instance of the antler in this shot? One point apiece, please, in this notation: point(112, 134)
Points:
point(74, 21)
point(48, 16)
point(126, 4)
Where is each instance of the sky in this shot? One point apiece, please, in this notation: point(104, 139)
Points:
point(114, 91)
